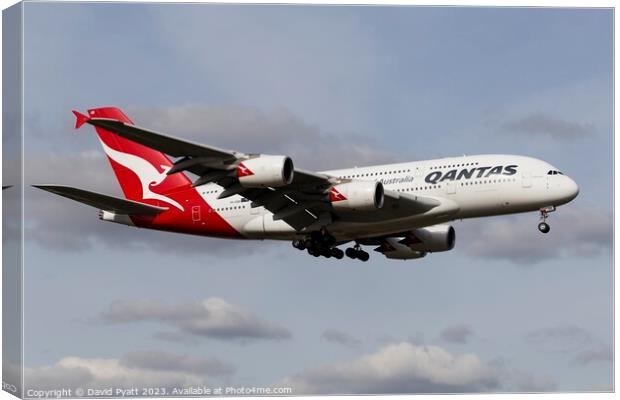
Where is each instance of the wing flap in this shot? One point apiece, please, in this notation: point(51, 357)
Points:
point(102, 201)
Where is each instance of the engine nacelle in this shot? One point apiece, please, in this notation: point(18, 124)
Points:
point(432, 238)
point(393, 249)
point(357, 196)
point(266, 171)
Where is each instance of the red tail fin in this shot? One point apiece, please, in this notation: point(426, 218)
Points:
point(141, 171)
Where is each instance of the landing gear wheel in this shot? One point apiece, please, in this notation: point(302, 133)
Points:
point(337, 253)
point(313, 252)
point(351, 253)
point(363, 256)
point(544, 227)
point(299, 244)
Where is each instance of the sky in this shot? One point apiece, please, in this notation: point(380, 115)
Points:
point(331, 86)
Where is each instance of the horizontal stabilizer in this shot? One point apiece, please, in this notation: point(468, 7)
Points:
point(102, 201)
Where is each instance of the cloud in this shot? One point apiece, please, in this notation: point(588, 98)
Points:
point(525, 381)
point(456, 334)
point(210, 318)
point(132, 370)
point(162, 361)
point(176, 337)
point(597, 353)
point(559, 339)
point(399, 368)
point(574, 232)
point(341, 338)
point(539, 124)
point(571, 339)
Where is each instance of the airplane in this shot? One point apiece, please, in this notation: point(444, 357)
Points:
point(404, 209)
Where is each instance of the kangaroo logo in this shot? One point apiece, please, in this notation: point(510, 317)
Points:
point(149, 175)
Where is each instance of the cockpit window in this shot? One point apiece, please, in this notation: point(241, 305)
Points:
point(553, 172)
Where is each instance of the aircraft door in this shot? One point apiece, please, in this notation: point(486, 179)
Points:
point(450, 187)
point(527, 180)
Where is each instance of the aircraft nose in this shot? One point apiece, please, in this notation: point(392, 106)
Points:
point(571, 189)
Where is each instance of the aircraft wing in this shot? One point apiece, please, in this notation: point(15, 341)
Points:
point(102, 201)
point(300, 204)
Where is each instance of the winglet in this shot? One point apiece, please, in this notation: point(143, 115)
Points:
point(80, 119)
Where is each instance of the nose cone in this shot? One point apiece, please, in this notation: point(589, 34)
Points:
point(570, 189)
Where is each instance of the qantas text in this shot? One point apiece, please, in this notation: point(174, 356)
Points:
point(468, 173)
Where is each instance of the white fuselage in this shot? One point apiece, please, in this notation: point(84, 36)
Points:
point(468, 187)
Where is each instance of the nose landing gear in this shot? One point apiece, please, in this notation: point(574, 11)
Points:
point(543, 226)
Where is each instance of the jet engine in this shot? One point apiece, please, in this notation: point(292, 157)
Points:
point(357, 196)
point(266, 171)
point(432, 238)
point(391, 248)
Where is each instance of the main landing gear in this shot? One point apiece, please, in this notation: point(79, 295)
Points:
point(322, 243)
point(543, 226)
point(356, 252)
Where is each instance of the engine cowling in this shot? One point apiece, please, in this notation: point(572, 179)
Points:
point(266, 171)
point(393, 249)
point(432, 238)
point(357, 196)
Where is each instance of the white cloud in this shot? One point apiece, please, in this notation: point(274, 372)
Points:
point(399, 368)
point(211, 318)
point(104, 373)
